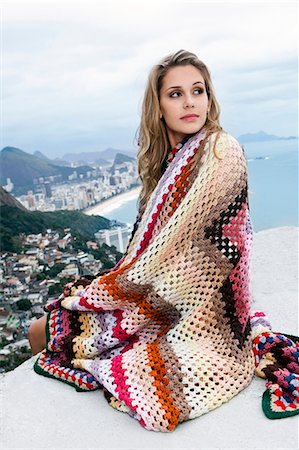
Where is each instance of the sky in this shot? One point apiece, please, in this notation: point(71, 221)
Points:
point(74, 72)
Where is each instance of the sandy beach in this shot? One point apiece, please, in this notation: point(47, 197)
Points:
point(113, 203)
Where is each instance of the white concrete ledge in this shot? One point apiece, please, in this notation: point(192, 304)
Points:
point(41, 413)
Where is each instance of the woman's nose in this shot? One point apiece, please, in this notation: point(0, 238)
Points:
point(189, 102)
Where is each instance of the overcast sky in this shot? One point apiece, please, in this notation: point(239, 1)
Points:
point(74, 73)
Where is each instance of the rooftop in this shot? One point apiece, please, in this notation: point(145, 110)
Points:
point(42, 413)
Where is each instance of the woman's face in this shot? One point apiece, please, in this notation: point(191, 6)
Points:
point(182, 93)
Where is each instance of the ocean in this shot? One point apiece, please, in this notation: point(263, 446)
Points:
point(273, 186)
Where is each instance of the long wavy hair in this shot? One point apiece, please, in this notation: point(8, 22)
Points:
point(153, 141)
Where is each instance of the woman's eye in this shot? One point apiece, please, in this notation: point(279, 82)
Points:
point(200, 90)
point(172, 94)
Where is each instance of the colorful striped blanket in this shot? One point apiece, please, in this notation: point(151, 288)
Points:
point(168, 333)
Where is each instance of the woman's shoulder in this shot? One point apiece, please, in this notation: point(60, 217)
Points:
point(224, 137)
point(226, 143)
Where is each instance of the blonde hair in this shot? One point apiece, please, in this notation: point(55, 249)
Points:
point(153, 139)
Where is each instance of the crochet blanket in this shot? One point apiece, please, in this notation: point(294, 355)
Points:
point(168, 333)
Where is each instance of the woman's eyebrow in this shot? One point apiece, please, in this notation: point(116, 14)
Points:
point(172, 87)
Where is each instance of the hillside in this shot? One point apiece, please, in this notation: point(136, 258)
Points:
point(55, 161)
point(16, 219)
point(40, 155)
point(119, 160)
point(8, 200)
point(22, 168)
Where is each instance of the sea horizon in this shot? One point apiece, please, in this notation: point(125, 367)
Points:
point(272, 188)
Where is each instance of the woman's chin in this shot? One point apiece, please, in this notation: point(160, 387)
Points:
point(192, 128)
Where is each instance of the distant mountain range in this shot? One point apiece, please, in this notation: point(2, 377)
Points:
point(22, 167)
point(262, 136)
point(106, 155)
point(56, 161)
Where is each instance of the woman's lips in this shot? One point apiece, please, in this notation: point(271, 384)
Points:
point(189, 118)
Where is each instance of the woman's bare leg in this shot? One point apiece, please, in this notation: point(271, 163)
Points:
point(37, 335)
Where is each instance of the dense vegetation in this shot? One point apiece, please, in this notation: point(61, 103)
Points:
point(14, 221)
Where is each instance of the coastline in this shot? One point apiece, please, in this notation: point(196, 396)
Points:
point(112, 203)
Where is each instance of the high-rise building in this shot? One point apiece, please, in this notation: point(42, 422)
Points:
point(48, 190)
point(119, 237)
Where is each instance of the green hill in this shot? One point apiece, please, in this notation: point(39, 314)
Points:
point(22, 168)
point(9, 200)
point(16, 219)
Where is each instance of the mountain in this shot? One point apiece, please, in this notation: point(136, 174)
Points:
point(262, 136)
point(110, 153)
point(16, 219)
point(22, 168)
point(121, 158)
point(61, 162)
point(40, 155)
point(7, 199)
point(105, 156)
point(56, 161)
point(119, 161)
point(102, 162)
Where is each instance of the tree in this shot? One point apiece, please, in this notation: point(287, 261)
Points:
point(54, 289)
point(3, 341)
point(40, 276)
point(24, 304)
point(53, 271)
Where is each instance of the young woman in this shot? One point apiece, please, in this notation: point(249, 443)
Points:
point(167, 333)
point(179, 100)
